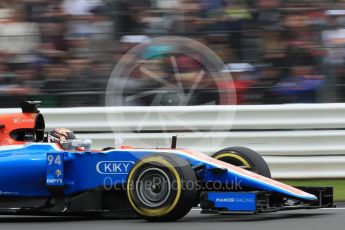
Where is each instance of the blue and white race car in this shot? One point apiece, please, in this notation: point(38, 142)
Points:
point(40, 178)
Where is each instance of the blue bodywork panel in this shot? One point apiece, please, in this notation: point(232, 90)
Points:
point(33, 169)
point(55, 169)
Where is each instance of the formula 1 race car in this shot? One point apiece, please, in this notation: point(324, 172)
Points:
point(40, 178)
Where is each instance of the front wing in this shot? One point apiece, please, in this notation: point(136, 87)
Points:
point(253, 202)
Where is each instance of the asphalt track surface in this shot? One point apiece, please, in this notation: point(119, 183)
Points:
point(322, 219)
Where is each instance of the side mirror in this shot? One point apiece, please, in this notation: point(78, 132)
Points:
point(74, 144)
point(86, 144)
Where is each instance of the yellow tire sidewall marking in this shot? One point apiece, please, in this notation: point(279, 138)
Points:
point(234, 155)
point(163, 210)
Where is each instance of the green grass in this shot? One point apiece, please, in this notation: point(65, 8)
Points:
point(338, 185)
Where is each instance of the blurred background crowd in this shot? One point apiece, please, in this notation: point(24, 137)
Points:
point(63, 51)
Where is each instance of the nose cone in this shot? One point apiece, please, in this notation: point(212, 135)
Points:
point(22, 175)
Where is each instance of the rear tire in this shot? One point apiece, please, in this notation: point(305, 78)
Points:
point(244, 157)
point(157, 188)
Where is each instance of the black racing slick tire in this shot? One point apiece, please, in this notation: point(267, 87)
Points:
point(162, 188)
point(245, 158)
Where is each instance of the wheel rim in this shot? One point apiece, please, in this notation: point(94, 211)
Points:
point(153, 187)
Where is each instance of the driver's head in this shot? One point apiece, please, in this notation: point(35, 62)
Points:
point(60, 135)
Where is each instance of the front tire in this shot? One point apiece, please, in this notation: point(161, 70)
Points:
point(156, 188)
point(245, 158)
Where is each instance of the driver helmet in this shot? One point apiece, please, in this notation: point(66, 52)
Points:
point(61, 136)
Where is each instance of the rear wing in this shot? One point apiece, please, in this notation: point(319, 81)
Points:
point(19, 128)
